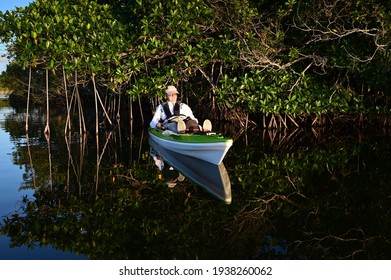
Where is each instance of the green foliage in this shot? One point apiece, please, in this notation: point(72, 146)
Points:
point(350, 40)
point(269, 92)
point(301, 58)
point(71, 33)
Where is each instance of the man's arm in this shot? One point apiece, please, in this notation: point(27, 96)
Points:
point(159, 114)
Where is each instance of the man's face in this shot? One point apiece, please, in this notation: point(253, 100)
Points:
point(172, 97)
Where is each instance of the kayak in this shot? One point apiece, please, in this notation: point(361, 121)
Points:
point(211, 177)
point(210, 147)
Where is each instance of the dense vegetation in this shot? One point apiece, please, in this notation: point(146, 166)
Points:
point(286, 61)
point(279, 63)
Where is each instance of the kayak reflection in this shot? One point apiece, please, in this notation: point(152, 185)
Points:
point(175, 167)
point(168, 173)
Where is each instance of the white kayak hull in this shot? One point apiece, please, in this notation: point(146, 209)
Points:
point(209, 150)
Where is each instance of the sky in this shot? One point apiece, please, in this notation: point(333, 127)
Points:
point(4, 6)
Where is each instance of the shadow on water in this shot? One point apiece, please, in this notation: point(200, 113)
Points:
point(322, 194)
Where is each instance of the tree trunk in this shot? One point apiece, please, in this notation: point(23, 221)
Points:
point(28, 102)
point(68, 122)
point(47, 128)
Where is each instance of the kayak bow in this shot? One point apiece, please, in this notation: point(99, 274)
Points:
point(210, 147)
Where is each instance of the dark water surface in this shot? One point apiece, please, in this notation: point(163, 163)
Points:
point(316, 194)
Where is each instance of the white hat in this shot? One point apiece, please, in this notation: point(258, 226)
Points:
point(171, 90)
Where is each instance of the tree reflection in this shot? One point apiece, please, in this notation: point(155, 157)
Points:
point(328, 199)
point(305, 195)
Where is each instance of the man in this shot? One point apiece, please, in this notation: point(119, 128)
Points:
point(176, 116)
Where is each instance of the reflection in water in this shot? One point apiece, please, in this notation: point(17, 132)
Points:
point(34, 184)
point(297, 195)
point(213, 178)
point(73, 163)
point(168, 173)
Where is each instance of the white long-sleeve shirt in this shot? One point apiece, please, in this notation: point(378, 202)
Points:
point(184, 109)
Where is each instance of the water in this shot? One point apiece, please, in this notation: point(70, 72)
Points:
point(12, 192)
point(321, 194)
point(9, 184)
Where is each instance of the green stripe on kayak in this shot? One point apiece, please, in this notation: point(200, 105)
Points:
point(190, 137)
